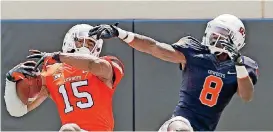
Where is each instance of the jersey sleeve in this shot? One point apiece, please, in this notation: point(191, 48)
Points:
point(189, 47)
point(252, 68)
point(118, 69)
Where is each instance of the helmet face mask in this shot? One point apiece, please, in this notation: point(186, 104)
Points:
point(225, 31)
point(216, 39)
point(77, 40)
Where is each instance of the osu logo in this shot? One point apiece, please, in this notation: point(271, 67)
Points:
point(242, 31)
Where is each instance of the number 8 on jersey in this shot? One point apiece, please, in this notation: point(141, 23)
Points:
point(212, 90)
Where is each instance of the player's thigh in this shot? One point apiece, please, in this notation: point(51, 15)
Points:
point(71, 127)
point(177, 123)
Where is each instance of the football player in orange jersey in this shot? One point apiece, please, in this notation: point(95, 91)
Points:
point(80, 82)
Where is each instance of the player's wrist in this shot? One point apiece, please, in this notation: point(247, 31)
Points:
point(241, 71)
point(14, 77)
point(126, 36)
point(56, 56)
point(239, 61)
point(9, 77)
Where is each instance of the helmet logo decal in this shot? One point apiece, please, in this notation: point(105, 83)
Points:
point(242, 31)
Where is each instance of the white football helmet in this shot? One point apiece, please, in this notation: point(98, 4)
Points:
point(80, 31)
point(220, 30)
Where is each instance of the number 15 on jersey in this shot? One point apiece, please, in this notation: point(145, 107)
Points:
point(75, 86)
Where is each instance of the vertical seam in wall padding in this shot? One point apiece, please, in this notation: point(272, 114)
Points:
point(133, 58)
point(262, 8)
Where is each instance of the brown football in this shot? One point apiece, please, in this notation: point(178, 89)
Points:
point(28, 88)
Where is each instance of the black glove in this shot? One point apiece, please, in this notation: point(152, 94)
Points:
point(233, 53)
point(104, 31)
point(235, 56)
point(21, 71)
point(36, 54)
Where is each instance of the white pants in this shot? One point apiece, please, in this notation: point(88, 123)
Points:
point(71, 127)
point(176, 123)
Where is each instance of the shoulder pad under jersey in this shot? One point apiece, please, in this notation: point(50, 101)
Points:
point(190, 43)
point(114, 59)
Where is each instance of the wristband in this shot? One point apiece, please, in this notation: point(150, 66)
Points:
point(56, 57)
point(127, 37)
point(241, 71)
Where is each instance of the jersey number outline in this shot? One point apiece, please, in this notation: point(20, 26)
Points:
point(77, 94)
point(213, 91)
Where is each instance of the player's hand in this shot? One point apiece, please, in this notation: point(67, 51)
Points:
point(21, 71)
point(33, 51)
point(104, 31)
point(235, 56)
point(42, 56)
point(233, 53)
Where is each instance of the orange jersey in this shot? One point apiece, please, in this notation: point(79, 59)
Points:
point(81, 97)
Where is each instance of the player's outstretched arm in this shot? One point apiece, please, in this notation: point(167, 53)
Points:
point(140, 42)
point(95, 65)
point(157, 49)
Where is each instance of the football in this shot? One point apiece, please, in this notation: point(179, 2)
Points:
point(28, 88)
